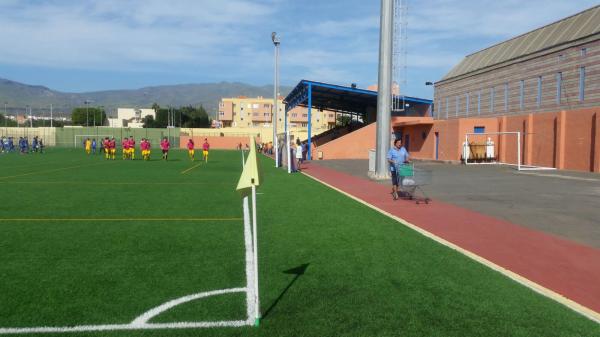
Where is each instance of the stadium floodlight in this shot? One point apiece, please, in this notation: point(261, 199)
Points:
point(274, 117)
point(428, 83)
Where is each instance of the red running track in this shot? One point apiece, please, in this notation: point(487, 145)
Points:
point(567, 268)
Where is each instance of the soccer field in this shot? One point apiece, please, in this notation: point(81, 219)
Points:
point(90, 242)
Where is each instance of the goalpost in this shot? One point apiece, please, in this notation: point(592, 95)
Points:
point(484, 149)
point(78, 139)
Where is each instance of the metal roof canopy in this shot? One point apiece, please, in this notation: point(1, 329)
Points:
point(336, 98)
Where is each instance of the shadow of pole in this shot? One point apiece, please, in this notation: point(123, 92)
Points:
point(298, 271)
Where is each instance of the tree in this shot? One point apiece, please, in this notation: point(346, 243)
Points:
point(85, 116)
point(149, 122)
point(6, 121)
point(343, 120)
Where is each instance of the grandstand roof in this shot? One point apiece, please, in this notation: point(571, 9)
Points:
point(338, 98)
point(572, 28)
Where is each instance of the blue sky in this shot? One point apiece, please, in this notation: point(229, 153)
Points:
point(90, 45)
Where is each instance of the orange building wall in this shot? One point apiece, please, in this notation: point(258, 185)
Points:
point(579, 146)
point(564, 139)
point(355, 145)
point(543, 150)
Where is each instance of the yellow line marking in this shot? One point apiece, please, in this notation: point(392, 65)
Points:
point(191, 168)
point(118, 219)
point(106, 183)
point(48, 171)
point(578, 308)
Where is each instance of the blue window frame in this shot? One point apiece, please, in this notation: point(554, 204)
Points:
point(479, 129)
point(558, 87)
point(539, 92)
point(521, 94)
point(491, 100)
point(581, 84)
point(467, 102)
point(505, 96)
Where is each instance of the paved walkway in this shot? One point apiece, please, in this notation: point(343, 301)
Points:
point(562, 266)
point(562, 203)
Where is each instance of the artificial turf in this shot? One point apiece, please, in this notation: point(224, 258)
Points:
point(328, 265)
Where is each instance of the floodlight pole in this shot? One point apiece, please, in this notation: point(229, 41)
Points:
point(276, 42)
point(5, 115)
point(384, 89)
point(50, 115)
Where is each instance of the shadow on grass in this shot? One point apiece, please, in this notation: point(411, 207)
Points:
point(298, 271)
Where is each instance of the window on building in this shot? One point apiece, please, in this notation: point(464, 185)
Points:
point(558, 87)
point(330, 115)
point(583, 52)
point(467, 103)
point(294, 115)
point(457, 104)
point(539, 92)
point(505, 97)
point(581, 84)
point(266, 106)
point(304, 125)
point(266, 114)
point(249, 105)
point(446, 107)
point(479, 102)
point(221, 113)
point(255, 106)
point(492, 100)
point(304, 115)
point(521, 93)
point(479, 129)
point(561, 57)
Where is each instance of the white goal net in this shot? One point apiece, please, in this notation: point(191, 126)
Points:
point(503, 148)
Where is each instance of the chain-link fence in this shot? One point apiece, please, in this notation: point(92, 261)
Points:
point(74, 137)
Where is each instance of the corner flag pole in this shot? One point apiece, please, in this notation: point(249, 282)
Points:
point(247, 184)
point(254, 241)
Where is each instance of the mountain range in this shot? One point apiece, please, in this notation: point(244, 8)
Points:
point(19, 95)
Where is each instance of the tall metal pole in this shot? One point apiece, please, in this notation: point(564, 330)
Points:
point(384, 90)
point(50, 115)
point(276, 42)
point(5, 115)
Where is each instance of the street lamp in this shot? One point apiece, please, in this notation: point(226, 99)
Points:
point(428, 83)
point(276, 42)
point(87, 113)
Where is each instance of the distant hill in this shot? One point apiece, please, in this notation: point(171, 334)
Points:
point(19, 95)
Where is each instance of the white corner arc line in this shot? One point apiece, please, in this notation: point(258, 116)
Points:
point(141, 322)
point(578, 308)
point(148, 315)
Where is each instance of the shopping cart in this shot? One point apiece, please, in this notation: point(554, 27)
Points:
point(411, 180)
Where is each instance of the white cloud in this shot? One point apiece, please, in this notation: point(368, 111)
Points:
point(118, 34)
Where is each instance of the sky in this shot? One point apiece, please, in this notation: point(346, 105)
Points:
point(90, 45)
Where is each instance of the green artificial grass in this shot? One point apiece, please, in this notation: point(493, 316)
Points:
point(328, 265)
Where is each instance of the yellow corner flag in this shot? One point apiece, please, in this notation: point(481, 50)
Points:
point(250, 174)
